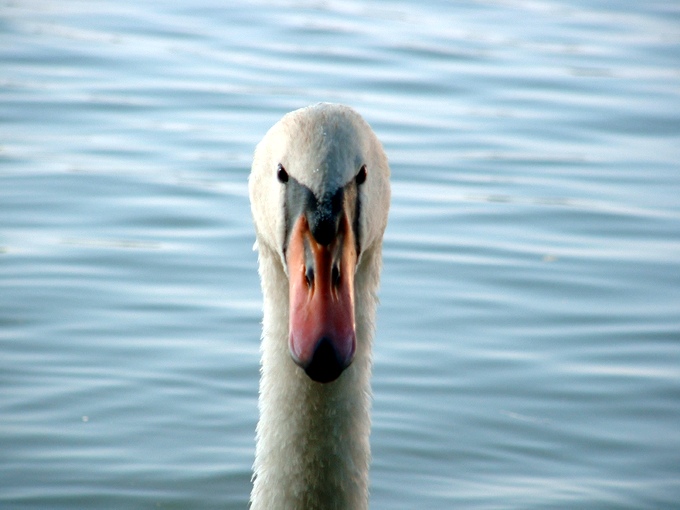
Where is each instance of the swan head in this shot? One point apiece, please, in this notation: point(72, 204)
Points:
point(319, 190)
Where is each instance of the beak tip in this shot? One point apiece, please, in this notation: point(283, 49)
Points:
point(326, 363)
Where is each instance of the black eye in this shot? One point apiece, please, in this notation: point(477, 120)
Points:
point(281, 174)
point(361, 176)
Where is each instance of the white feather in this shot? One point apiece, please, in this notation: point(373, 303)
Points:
point(313, 447)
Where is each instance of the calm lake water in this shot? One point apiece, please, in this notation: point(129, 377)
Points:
point(528, 346)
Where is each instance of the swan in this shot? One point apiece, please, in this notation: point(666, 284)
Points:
point(319, 192)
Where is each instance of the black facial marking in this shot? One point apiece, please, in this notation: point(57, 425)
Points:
point(323, 213)
point(281, 174)
point(324, 217)
point(295, 202)
point(356, 223)
point(361, 176)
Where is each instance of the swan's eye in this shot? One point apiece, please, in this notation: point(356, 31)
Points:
point(281, 174)
point(361, 176)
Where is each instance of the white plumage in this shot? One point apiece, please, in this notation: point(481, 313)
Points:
point(313, 438)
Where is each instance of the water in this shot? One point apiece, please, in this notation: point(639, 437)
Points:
point(528, 348)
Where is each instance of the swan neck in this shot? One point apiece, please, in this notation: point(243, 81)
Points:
point(312, 439)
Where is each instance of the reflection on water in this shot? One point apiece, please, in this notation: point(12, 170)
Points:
point(527, 352)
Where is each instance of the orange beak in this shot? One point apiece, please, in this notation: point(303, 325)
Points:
point(321, 283)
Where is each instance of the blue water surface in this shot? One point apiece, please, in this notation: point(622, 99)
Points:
point(528, 345)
